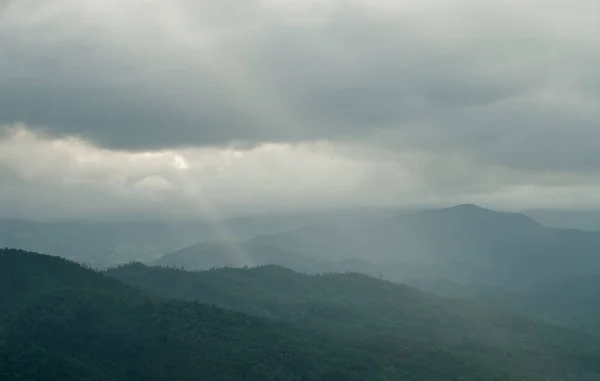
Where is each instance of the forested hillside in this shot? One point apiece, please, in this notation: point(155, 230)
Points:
point(370, 309)
point(60, 321)
point(569, 301)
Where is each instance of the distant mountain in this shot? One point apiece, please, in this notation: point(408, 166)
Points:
point(108, 243)
point(206, 255)
point(100, 243)
point(60, 321)
point(465, 243)
point(420, 237)
point(588, 220)
point(355, 305)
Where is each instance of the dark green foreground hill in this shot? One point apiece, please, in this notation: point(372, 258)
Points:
point(367, 309)
point(61, 321)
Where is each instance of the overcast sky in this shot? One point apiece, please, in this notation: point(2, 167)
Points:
point(211, 108)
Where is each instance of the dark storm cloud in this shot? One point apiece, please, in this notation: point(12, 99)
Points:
point(505, 83)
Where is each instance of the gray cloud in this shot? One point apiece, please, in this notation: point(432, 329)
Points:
point(438, 101)
point(50, 178)
point(195, 73)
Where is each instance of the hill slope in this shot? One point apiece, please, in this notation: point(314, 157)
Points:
point(365, 308)
point(60, 321)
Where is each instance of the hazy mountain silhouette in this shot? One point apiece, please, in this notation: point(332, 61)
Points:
point(588, 220)
point(108, 243)
point(465, 242)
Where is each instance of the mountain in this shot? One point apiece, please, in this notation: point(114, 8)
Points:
point(588, 220)
point(109, 243)
point(442, 235)
point(366, 308)
point(235, 254)
point(572, 301)
point(61, 321)
point(465, 243)
point(100, 243)
point(450, 289)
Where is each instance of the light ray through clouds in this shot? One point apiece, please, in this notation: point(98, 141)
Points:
point(203, 208)
point(257, 100)
point(180, 184)
point(78, 155)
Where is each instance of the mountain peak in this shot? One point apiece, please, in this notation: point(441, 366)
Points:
point(468, 206)
point(473, 208)
point(472, 214)
point(463, 209)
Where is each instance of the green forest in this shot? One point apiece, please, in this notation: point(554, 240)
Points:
point(62, 321)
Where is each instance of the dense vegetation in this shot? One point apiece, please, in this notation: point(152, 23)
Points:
point(369, 309)
point(569, 301)
point(60, 321)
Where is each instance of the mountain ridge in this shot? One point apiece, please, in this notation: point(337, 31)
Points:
point(361, 306)
point(64, 321)
point(465, 242)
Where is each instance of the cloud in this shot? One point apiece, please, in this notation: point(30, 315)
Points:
point(282, 105)
point(151, 75)
point(48, 178)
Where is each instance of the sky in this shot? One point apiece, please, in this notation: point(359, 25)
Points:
point(196, 108)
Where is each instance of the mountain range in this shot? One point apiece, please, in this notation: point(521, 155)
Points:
point(364, 308)
point(465, 243)
point(61, 321)
point(104, 243)
point(462, 293)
